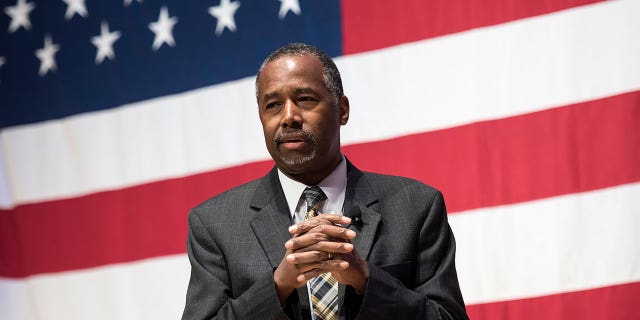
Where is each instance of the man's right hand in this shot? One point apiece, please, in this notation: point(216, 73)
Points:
point(311, 250)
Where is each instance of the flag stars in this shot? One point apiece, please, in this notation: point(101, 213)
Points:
point(75, 7)
point(46, 56)
point(20, 15)
point(104, 43)
point(224, 13)
point(288, 5)
point(163, 29)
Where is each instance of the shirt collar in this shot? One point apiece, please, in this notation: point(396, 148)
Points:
point(334, 186)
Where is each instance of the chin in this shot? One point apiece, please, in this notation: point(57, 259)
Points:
point(298, 160)
point(295, 162)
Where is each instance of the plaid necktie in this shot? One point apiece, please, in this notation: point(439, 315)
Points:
point(324, 288)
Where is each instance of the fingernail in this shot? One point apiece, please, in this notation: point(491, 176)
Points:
point(300, 278)
point(293, 228)
point(346, 220)
point(291, 258)
point(351, 233)
point(348, 246)
point(288, 244)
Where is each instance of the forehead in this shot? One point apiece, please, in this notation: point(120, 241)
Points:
point(285, 71)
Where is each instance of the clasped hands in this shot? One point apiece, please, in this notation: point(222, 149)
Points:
point(318, 246)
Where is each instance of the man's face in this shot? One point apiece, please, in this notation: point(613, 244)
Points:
point(300, 117)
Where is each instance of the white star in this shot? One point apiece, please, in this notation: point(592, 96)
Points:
point(286, 5)
point(163, 29)
point(19, 15)
point(104, 43)
point(73, 7)
point(47, 61)
point(224, 13)
point(128, 2)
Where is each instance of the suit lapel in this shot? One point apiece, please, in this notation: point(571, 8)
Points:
point(367, 232)
point(360, 194)
point(272, 217)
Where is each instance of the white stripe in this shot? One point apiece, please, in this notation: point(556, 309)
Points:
point(151, 289)
point(524, 66)
point(5, 192)
point(579, 54)
point(567, 243)
point(549, 246)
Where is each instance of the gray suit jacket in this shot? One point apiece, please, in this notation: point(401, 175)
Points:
point(236, 240)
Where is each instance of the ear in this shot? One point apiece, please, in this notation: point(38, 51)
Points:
point(343, 107)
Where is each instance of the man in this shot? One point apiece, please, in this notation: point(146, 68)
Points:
point(271, 249)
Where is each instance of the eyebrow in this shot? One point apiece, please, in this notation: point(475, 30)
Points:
point(270, 95)
point(305, 90)
point(274, 94)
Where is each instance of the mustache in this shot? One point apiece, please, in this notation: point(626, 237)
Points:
point(290, 132)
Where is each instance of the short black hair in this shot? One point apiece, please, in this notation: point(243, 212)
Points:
point(330, 72)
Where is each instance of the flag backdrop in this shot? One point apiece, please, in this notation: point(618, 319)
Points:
point(119, 116)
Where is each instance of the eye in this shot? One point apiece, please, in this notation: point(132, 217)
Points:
point(307, 100)
point(271, 105)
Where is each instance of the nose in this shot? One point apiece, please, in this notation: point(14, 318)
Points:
point(291, 117)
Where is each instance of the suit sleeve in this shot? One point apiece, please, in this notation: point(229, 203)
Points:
point(436, 294)
point(209, 295)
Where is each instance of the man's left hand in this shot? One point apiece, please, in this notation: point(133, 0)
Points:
point(323, 237)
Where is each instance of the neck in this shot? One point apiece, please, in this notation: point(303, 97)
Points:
point(313, 177)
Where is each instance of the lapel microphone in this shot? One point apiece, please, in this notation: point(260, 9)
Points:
point(356, 217)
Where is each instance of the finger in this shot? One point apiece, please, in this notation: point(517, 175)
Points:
point(312, 239)
point(335, 231)
point(304, 227)
point(312, 256)
point(306, 240)
point(330, 247)
point(327, 247)
point(334, 218)
point(307, 257)
point(326, 232)
point(324, 218)
point(323, 267)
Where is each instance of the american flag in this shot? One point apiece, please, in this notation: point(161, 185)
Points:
point(118, 116)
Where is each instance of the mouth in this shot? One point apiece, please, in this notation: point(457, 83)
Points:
point(293, 140)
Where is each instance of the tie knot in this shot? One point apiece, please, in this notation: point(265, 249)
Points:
point(313, 195)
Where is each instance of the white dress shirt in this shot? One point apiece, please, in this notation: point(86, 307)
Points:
point(333, 186)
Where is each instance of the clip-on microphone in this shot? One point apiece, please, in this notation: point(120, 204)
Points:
point(356, 217)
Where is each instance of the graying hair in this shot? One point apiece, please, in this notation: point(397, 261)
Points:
point(330, 73)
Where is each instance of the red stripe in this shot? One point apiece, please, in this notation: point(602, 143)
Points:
point(412, 20)
point(564, 150)
point(571, 149)
point(612, 303)
point(109, 227)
